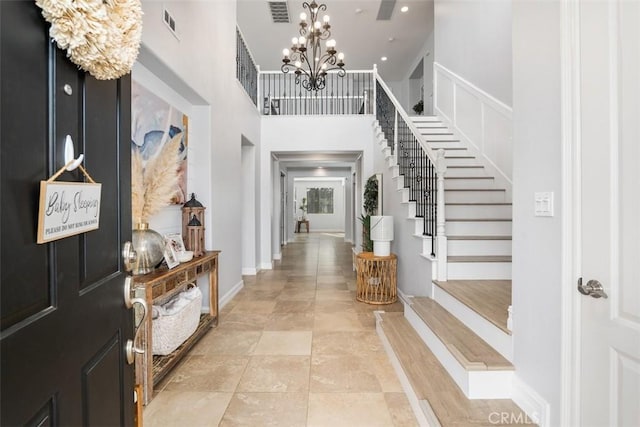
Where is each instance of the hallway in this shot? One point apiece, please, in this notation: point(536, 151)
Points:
point(293, 348)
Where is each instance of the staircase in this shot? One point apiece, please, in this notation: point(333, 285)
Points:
point(453, 349)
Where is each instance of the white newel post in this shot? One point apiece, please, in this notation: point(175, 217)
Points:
point(441, 239)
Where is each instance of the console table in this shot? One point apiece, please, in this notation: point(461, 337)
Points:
point(157, 287)
point(376, 278)
point(304, 222)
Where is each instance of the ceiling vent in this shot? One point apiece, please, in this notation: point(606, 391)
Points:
point(386, 10)
point(279, 12)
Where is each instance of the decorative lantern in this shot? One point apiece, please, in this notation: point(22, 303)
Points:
point(195, 237)
point(193, 209)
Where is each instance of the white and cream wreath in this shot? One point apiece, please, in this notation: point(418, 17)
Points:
point(100, 36)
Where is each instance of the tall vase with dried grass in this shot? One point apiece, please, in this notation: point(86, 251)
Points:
point(152, 187)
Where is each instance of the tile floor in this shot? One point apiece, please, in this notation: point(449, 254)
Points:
point(293, 348)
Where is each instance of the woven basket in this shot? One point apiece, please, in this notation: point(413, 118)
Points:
point(169, 331)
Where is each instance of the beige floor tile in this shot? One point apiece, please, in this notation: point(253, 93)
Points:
point(400, 410)
point(227, 341)
point(343, 374)
point(290, 322)
point(186, 408)
point(348, 410)
point(251, 294)
point(243, 321)
point(259, 307)
point(335, 307)
point(346, 343)
point(338, 322)
point(208, 373)
point(266, 409)
point(287, 343)
point(334, 295)
point(293, 306)
point(276, 374)
point(385, 373)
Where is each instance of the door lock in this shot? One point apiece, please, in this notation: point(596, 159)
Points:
point(129, 256)
point(593, 288)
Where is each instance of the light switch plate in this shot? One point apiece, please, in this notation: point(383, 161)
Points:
point(544, 204)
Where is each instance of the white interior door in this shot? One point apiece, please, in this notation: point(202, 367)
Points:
point(610, 212)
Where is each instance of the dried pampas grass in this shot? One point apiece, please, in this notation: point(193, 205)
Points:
point(155, 185)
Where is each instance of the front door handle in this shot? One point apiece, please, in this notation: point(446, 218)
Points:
point(129, 256)
point(593, 288)
point(131, 348)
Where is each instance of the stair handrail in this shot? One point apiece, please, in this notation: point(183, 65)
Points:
point(439, 241)
point(430, 153)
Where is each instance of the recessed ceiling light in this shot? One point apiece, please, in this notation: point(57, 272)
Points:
point(384, 58)
point(391, 39)
point(404, 9)
point(320, 167)
point(358, 10)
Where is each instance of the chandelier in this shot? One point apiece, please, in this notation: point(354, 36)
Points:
point(307, 59)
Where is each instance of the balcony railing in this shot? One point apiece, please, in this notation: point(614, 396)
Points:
point(351, 94)
point(246, 70)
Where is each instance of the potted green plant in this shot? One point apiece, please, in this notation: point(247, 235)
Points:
point(370, 206)
point(303, 208)
point(419, 107)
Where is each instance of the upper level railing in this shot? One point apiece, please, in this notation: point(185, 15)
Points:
point(351, 94)
point(246, 69)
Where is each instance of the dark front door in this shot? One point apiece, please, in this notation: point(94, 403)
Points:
point(64, 325)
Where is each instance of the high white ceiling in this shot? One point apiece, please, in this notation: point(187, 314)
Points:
point(362, 38)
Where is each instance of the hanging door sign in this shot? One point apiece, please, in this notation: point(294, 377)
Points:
point(67, 208)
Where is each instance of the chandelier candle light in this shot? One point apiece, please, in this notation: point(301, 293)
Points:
point(306, 55)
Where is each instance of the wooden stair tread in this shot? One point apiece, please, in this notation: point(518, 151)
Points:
point(489, 298)
point(465, 167)
point(471, 351)
point(431, 382)
point(479, 237)
point(479, 258)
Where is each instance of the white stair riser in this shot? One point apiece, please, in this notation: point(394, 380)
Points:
point(395, 170)
point(478, 211)
point(468, 183)
point(453, 171)
point(404, 195)
point(478, 228)
point(399, 181)
point(479, 270)
point(429, 131)
point(486, 330)
point(411, 210)
point(474, 196)
point(419, 226)
point(425, 119)
point(460, 161)
point(474, 384)
point(445, 145)
point(478, 247)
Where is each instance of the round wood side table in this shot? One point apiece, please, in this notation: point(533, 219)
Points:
point(376, 278)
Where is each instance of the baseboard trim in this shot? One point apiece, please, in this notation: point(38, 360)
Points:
point(247, 271)
point(404, 298)
point(266, 266)
point(536, 408)
point(277, 257)
point(224, 300)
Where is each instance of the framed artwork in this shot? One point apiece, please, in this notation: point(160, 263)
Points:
point(154, 122)
point(170, 255)
point(176, 242)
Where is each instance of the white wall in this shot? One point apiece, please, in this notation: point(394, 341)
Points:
point(414, 271)
point(317, 133)
point(323, 222)
point(537, 241)
point(208, 78)
point(473, 40)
